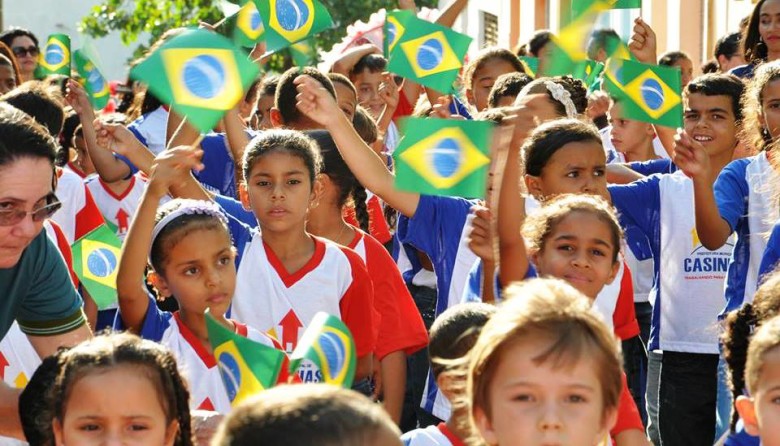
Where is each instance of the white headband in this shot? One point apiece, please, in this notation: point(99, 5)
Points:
point(188, 207)
point(560, 94)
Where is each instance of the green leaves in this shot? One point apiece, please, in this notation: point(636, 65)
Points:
point(133, 19)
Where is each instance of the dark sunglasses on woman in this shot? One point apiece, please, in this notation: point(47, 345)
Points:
point(10, 217)
point(21, 51)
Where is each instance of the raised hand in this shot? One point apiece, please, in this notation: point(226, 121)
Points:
point(173, 166)
point(691, 156)
point(388, 91)
point(480, 236)
point(77, 98)
point(316, 102)
point(643, 42)
point(113, 136)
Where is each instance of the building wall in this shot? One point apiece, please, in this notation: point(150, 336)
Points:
point(689, 25)
point(44, 17)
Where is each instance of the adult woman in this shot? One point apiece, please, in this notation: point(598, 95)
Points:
point(24, 45)
point(762, 37)
point(35, 287)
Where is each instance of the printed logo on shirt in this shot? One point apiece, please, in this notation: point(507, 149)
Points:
point(703, 264)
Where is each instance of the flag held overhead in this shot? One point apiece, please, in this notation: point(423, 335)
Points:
point(430, 54)
point(290, 21)
point(394, 28)
point(651, 93)
point(55, 57)
point(443, 157)
point(203, 76)
point(92, 80)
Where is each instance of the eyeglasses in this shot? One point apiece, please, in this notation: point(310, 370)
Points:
point(21, 51)
point(10, 217)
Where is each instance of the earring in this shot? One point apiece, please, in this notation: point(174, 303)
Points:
point(765, 134)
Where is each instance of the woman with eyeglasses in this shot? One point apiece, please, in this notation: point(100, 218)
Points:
point(24, 45)
point(35, 288)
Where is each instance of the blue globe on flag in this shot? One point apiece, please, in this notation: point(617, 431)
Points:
point(231, 374)
point(101, 262)
point(446, 157)
point(292, 14)
point(204, 76)
point(652, 93)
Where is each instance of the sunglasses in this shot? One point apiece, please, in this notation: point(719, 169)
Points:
point(10, 217)
point(21, 51)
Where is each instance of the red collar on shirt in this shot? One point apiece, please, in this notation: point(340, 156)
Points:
point(355, 240)
point(290, 279)
point(450, 436)
point(121, 196)
point(200, 350)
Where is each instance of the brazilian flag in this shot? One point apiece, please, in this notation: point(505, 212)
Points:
point(394, 28)
point(579, 7)
point(429, 54)
point(328, 343)
point(245, 27)
point(304, 53)
point(568, 47)
point(96, 259)
point(443, 157)
point(290, 21)
point(247, 367)
point(650, 93)
point(55, 57)
point(201, 74)
point(92, 80)
point(531, 65)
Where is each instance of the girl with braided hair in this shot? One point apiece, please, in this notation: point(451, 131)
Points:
point(120, 367)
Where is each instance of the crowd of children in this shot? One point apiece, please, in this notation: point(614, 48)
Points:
point(616, 286)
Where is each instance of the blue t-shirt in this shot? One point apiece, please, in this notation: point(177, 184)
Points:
point(236, 209)
point(744, 71)
point(647, 168)
point(437, 229)
point(771, 254)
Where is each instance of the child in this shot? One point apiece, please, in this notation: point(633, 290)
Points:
point(117, 201)
point(680, 60)
point(632, 139)
point(452, 337)
point(688, 278)
point(346, 94)
point(190, 251)
point(261, 118)
point(482, 72)
point(120, 388)
point(285, 275)
point(758, 411)
point(507, 87)
point(307, 414)
point(545, 369)
point(739, 328)
point(741, 199)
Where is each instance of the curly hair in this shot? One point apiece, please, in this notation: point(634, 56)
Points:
point(752, 104)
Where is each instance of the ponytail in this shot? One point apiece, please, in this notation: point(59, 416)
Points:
point(739, 325)
point(359, 197)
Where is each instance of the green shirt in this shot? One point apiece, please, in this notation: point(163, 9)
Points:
point(38, 293)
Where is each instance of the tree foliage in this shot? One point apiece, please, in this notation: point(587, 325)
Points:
point(133, 18)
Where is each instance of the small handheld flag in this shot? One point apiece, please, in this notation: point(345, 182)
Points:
point(443, 157)
point(247, 367)
point(304, 53)
point(245, 27)
point(430, 54)
point(579, 7)
point(92, 80)
point(568, 47)
point(651, 93)
point(394, 28)
point(201, 74)
point(531, 65)
point(55, 57)
point(290, 21)
point(96, 260)
point(328, 343)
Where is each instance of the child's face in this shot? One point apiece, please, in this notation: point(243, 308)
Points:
point(711, 121)
point(483, 79)
point(7, 79)
point(263, 111)
point(579, 250)
point(367, 84)
point(280, 192)
point(93, 417)
point(628, 135)
point(535, 404)
point(761, 413)
point(575, 168)
point(770, 108)
point(686, 70)
point(346, 99)
point(200, 272)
